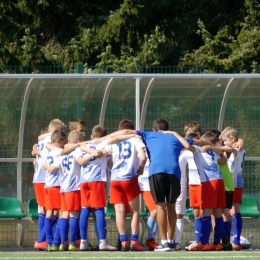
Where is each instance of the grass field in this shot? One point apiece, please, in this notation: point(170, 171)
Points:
point(183, 255)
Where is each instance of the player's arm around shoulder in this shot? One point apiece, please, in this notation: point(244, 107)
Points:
point(35, 151)
point(90, 153)
point(182, 141)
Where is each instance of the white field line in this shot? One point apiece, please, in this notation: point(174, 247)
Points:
point(132, 257)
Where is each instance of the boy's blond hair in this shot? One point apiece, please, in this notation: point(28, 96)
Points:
point(98, 131)
point(56, 124)
point(192, 127)
point(228, 132)
point(75, 136)
point(75, 122)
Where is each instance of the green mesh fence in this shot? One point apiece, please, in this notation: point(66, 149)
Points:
point(179, 100)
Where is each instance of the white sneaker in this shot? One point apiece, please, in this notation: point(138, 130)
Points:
point(104, 246)
point(194, 243)
point(84, 245)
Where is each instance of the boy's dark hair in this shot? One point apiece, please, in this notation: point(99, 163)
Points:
point(58, 135)
point(160, 124)
point(217, 133)
point(73, 124)
point(209, 137)
point(126, 124)
point(98, 131)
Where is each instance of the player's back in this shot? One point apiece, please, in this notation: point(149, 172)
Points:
point(40, 173)
point(71, 172)
point(95, 169)
point(235, 164)
point(53, 158)
point(186, 158)
point(125, 158)
point(207, 163)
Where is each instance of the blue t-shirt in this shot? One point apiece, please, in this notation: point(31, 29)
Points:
point(163, 151)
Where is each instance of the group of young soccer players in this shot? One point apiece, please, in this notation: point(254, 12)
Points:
point(71, 175)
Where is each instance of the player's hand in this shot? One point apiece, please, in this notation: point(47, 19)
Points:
point(96, 153)
point(34, 149)
point(140, 171)
point(204, 148)
point(237, 145)
point(234, 151)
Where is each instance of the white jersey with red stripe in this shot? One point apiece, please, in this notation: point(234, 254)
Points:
point(235, 165)
point(40, 174)
point(187, 158)
point(95, 169)
point(207, 163)
point(71, 169)
point(125, 159)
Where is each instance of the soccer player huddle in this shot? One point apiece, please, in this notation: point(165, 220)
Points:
point(71, 175)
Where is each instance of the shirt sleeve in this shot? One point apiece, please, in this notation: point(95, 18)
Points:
point(189, 140)
point(57, 162)
point(109, 148)
point(139, 144)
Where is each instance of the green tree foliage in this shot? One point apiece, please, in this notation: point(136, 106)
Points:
point(237, 49)
point(130, 32)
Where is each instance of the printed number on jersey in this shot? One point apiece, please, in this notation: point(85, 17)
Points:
point(124, 150)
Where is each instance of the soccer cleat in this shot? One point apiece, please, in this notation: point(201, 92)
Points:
point(199, 247)
point(40, 246)
point(73, 247)
point(135, 246)
point(84, 246)
point(124, 246)
point(64, 246)
point(192, 244)
point(227, 247)
point(151, 244)
point(77, 242)
point(104, 246)
point(236, 247)
point(163, 248)
point(177, 247)
point(214, 247)
point(54, 248)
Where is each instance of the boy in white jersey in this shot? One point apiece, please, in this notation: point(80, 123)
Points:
point(186, 158)
point(39, 180)
point(230, 136)
point(124, 184)
point(54, 174)
point(92, 190)
point(211, 183)
point(191, 130)
point(70, 194)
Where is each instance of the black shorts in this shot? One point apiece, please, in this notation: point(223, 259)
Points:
point(165, 187)
point(229, 199)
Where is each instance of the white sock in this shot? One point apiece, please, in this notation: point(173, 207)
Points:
point(163, 242)
point(179, 229)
